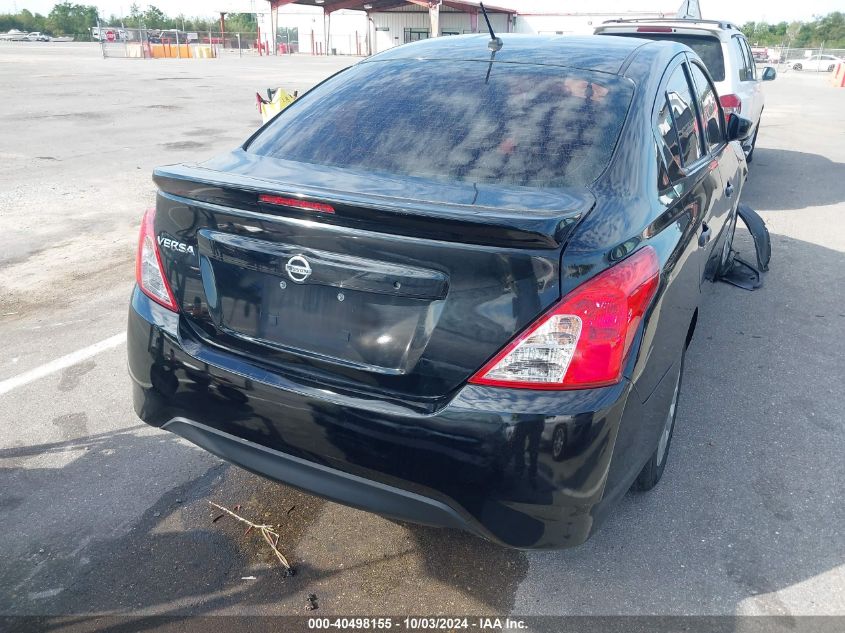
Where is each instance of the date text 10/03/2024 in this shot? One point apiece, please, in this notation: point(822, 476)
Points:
point(418, 624)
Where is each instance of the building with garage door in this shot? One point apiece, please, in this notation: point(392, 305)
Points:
point(364, 27)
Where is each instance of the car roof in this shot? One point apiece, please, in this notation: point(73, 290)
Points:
point(589, 52)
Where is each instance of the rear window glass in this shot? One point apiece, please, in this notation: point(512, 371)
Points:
point(538, 126)
point(709, 49)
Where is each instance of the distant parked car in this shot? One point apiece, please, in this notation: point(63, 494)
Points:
point(13, 36)
point(818, 63)
point(171, 36)
point(760, 55)
point(37, 36)
point(723, 49)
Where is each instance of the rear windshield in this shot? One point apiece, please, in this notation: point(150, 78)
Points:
point(709, 49)
point(538, 126)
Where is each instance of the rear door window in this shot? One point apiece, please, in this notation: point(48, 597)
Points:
point(743, 70)
point(514, 124)
point(749, 60)
point(671, 145)
point(708, 107)
point(680, 99)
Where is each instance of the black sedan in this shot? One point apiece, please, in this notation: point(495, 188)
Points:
point(453, 284)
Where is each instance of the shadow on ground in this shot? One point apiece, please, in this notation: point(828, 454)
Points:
point(66, 552)
point(783, 180)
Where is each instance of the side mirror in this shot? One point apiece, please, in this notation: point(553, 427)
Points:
point(739, 128)
point(769, 73)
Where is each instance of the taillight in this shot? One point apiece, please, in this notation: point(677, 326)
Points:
point(731, 104)
point(654, 29)
point(582, 342)
point(149, 272)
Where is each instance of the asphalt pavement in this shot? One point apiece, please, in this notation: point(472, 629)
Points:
point(101, 514)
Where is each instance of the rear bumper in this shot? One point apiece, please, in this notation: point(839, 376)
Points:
point(524, 469)
point(321, 480)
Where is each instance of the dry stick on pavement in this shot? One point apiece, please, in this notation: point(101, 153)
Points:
point(265, 530)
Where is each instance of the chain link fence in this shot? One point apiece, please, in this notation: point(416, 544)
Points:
point(154, 44)
point(172, 43)
point(819, 59)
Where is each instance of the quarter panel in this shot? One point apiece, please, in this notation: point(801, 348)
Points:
point(630, 213)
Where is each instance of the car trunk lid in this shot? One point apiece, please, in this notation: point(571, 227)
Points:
point(402, 294)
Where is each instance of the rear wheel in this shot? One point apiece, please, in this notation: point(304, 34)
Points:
point(654, 467)
point(797, 67)
point(830, 68)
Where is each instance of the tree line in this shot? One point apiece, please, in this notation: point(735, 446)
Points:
point(68, 18)
point(827, 31)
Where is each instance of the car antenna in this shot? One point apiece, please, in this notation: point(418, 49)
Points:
point(495, 43)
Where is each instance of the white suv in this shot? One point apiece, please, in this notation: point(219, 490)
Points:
point(723, 49)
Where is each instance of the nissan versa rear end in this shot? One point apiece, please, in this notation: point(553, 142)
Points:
point(448, 285)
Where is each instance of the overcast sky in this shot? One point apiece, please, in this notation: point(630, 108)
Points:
point(737, 11)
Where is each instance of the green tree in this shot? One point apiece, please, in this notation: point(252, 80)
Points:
point(805, 38)
point(748, 28)
point(69, 18)
point(241, 23)
point(830, 29)
point(28, 21)
point(778, 30)
point(136, 18)
point(154, 18)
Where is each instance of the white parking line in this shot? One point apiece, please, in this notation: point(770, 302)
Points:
point(61, 363)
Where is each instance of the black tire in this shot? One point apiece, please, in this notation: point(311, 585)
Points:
point(727, 254)
point(656, 464)
point(797, 67)
point(830, 68)
point(750, 155)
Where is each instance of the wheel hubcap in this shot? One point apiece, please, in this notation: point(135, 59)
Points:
point(558, 443)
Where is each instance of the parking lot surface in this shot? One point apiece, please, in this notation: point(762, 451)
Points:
point(101, 514)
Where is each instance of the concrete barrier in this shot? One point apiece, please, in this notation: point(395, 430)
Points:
point(203, 51)
point(170, 50)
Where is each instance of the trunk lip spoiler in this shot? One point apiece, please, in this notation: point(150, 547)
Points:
point(540, 228)
point(339, 228)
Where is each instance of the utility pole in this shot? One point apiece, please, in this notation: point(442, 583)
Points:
point(100, 36)
point(434, 17)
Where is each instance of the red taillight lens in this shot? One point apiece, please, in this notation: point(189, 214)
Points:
point(654, 29)
point(295, 203)
point(731, 104)
point(149, 272)
point(583, 340)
